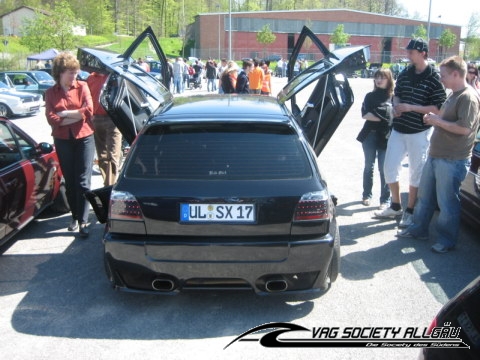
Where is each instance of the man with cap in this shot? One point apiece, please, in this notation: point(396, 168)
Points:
point(418, 91)
point(448, 160)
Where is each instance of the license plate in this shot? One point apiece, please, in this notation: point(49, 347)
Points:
point(35, 108)
point(234, 213)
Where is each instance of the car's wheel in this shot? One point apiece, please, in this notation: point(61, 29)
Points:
point(60, 203)
point(4, 110)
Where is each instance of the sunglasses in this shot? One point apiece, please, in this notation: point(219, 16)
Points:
point(472, 72)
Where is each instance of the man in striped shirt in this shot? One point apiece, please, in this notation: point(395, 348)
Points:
point(418, 91)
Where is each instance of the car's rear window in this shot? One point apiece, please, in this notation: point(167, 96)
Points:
point(219, 152)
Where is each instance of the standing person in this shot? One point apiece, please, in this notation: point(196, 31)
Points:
point(229, 78)
point(108, 139)
point(39, 65)
point(211, 74)
point(267, 78)
point(178, 75)
point(221, 68)
point(448, 159)
point(243, 85)
point(472, 77)
point(279, 69)
point(377, 111)
point(418, 91)
point(69, 111)
point(284, 68)
point(255, 78)
point(186, 74)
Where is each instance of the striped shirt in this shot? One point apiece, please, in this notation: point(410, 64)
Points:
point(422, 89)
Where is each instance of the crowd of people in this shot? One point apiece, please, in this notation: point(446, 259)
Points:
point(253, 77)
point(411, 117)
point(416, 118)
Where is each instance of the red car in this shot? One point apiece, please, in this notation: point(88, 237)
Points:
point(470, 191)
point(30, 181)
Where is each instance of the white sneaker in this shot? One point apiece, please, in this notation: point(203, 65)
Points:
point(383, 206)
point(407, 220)
point(387, 213)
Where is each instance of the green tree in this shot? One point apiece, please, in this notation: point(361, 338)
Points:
point(61, 22)
point(420, 32)
point(35, 33)
point(447, 39)
point(472, 41)
point(54, 30)
point(265, 37)
point(339, 36)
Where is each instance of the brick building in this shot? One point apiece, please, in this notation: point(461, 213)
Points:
point(387, 35)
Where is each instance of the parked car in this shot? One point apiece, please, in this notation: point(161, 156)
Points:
point(222, 191)
point(14, 102)
point(82, 75)
point(33, 81)
point(370, 71)
point(155, 68)
point(30, 181)
point(462, 311)
point(470, 191)
point(273, 57)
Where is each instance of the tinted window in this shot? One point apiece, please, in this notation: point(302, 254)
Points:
point(219, 152)
point(9, 152)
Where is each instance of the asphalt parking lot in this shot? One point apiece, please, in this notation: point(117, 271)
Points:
point(55, 301)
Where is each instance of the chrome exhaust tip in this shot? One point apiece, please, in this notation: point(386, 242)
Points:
point(276, 285)
point(163, 285)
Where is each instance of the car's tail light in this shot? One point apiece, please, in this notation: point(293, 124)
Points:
point(124, 206)
point(432, 325)
point(313, 206)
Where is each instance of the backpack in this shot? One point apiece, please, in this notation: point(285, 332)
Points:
point(191, 70)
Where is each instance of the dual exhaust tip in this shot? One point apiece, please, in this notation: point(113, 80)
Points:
point(166, 285)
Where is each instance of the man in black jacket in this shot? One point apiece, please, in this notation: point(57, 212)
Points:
point(243, 85)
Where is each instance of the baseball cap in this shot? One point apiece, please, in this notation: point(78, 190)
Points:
point(418, 44)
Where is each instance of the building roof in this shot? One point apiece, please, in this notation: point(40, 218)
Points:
point(26, 7)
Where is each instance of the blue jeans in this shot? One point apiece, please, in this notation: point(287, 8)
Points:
point(178, 83)
point(440, 185)
point(211, 83)
point(371, 152)
point(76, 160)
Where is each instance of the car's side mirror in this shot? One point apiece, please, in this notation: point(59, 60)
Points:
point(45, 148)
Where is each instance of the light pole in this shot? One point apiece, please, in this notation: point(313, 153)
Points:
point(218, 9)
point(428, 27)
point(439, 55)
point(230, 30)
point(5, 43)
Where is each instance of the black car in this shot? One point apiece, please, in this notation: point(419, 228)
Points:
point(462, 312)
point(470, 191)
point(223, 191)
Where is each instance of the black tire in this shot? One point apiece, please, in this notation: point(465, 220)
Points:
point(5, 110)
point(60, 203)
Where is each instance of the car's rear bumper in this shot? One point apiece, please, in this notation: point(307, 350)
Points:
point(219, 266)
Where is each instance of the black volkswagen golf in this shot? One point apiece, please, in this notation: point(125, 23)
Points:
point(223, 191)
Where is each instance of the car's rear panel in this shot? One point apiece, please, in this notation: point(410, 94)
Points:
point(219, 206)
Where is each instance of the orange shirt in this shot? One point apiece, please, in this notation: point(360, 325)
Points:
point(78, 97)
point(266, 83)
point(255, 78)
